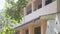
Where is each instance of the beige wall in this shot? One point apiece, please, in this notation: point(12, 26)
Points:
point(49, 7)
point(42, 22)
point(30, 26)
point(58, 5)
point(29, 8)
point(36, 3)
point(39, 23)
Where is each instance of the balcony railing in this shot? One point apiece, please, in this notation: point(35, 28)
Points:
point(39, 6)
point(49, 9)
point(29, 12)
point(47, 2)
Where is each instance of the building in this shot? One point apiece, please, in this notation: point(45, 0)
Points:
point(40, 17)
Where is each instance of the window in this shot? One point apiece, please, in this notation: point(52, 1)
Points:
point(39, 6)
point(17, 32)
point(29, 12)
point(27, 32)
point(37, 30)
point(47, 2)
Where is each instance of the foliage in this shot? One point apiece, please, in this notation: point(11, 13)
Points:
point(7, 30)
point(14, 12)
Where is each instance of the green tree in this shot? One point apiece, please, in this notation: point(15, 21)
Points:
point(13, 11)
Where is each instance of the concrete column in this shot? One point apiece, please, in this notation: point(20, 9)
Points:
point(32, 6)
point(43, 26)
point(43, 3)
point(22, 31)
point(58, 5)
point(31, 29)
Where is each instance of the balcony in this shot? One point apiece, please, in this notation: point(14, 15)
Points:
point(48, 9)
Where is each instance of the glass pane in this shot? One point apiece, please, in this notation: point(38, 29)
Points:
point(37, 30)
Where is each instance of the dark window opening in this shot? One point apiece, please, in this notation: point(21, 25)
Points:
point(17, 32)
point(27, 32)
point(37, 30)
point(39, 6)
point(34, 9)
point(29, 12)
point(48, 2)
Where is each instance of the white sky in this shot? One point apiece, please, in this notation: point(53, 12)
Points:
point(2, 4)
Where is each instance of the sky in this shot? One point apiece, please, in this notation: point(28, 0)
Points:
point(2, 4)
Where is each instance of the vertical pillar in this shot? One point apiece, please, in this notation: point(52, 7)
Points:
point(43, 26)
point(58, 5)
point(31, 29)
point(22, 31)
point(32, 6)
point(43, 3)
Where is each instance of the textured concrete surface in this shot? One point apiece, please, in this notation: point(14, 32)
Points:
point(53, 26)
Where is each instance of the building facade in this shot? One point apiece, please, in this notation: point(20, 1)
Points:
point(40, 17)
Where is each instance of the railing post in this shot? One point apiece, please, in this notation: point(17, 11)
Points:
point(32, 6)
point(43, 3)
